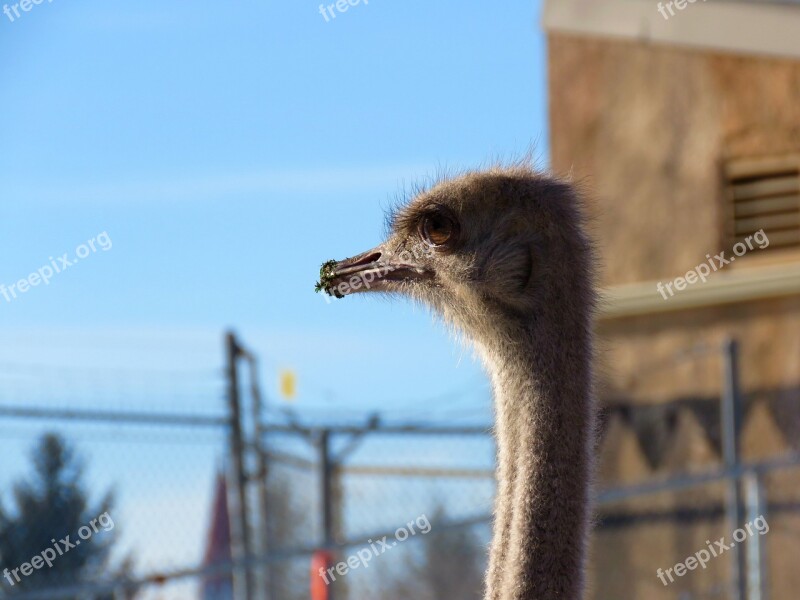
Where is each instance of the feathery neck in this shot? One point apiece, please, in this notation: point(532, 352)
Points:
point(541, 377)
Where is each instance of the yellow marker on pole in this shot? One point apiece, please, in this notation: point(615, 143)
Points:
point(288, 385)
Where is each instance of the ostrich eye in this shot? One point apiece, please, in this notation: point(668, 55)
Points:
point(438, 228)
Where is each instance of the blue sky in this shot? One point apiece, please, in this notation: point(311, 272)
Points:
point(227, 150)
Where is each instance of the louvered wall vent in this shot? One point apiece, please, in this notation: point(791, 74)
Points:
point(764, 193)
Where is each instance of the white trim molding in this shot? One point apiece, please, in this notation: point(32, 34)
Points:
point(770, 28)
point(735, 286)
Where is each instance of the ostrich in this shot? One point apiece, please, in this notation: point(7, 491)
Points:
point(502, 256)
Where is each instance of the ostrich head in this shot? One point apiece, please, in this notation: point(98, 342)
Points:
point(501, 254)
point(481, 249)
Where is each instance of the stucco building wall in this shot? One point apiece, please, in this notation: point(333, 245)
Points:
point(646, 129)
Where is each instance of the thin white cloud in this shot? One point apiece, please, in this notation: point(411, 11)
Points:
point(220, 186)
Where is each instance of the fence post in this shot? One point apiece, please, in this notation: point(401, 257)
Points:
point(756, 563)
point(240, 530)
point(326, 495)
point(265, 542)
point(731, 412)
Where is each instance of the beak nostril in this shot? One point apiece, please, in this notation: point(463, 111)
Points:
point(356, 263)
point(364, 259)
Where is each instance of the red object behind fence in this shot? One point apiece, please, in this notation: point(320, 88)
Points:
point(321, 561)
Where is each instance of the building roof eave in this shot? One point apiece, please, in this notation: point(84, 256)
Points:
point(768, 28)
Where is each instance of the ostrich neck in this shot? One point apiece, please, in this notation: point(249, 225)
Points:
point(544, 425)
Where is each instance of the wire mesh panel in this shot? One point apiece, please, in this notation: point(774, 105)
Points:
point(107, 477)
point(781, 545)
point(126, 490)
point(410, 512)
point(638, 542)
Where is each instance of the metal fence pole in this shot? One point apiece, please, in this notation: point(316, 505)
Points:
point(731, 412)
point(264, 543)
point(240, 530)
point(326, 495)
point(756, 563)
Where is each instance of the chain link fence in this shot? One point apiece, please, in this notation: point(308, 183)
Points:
point(377, 509)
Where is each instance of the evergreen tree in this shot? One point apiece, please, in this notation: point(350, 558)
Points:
point(49, 505)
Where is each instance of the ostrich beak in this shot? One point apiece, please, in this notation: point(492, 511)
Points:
point(375, 270)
